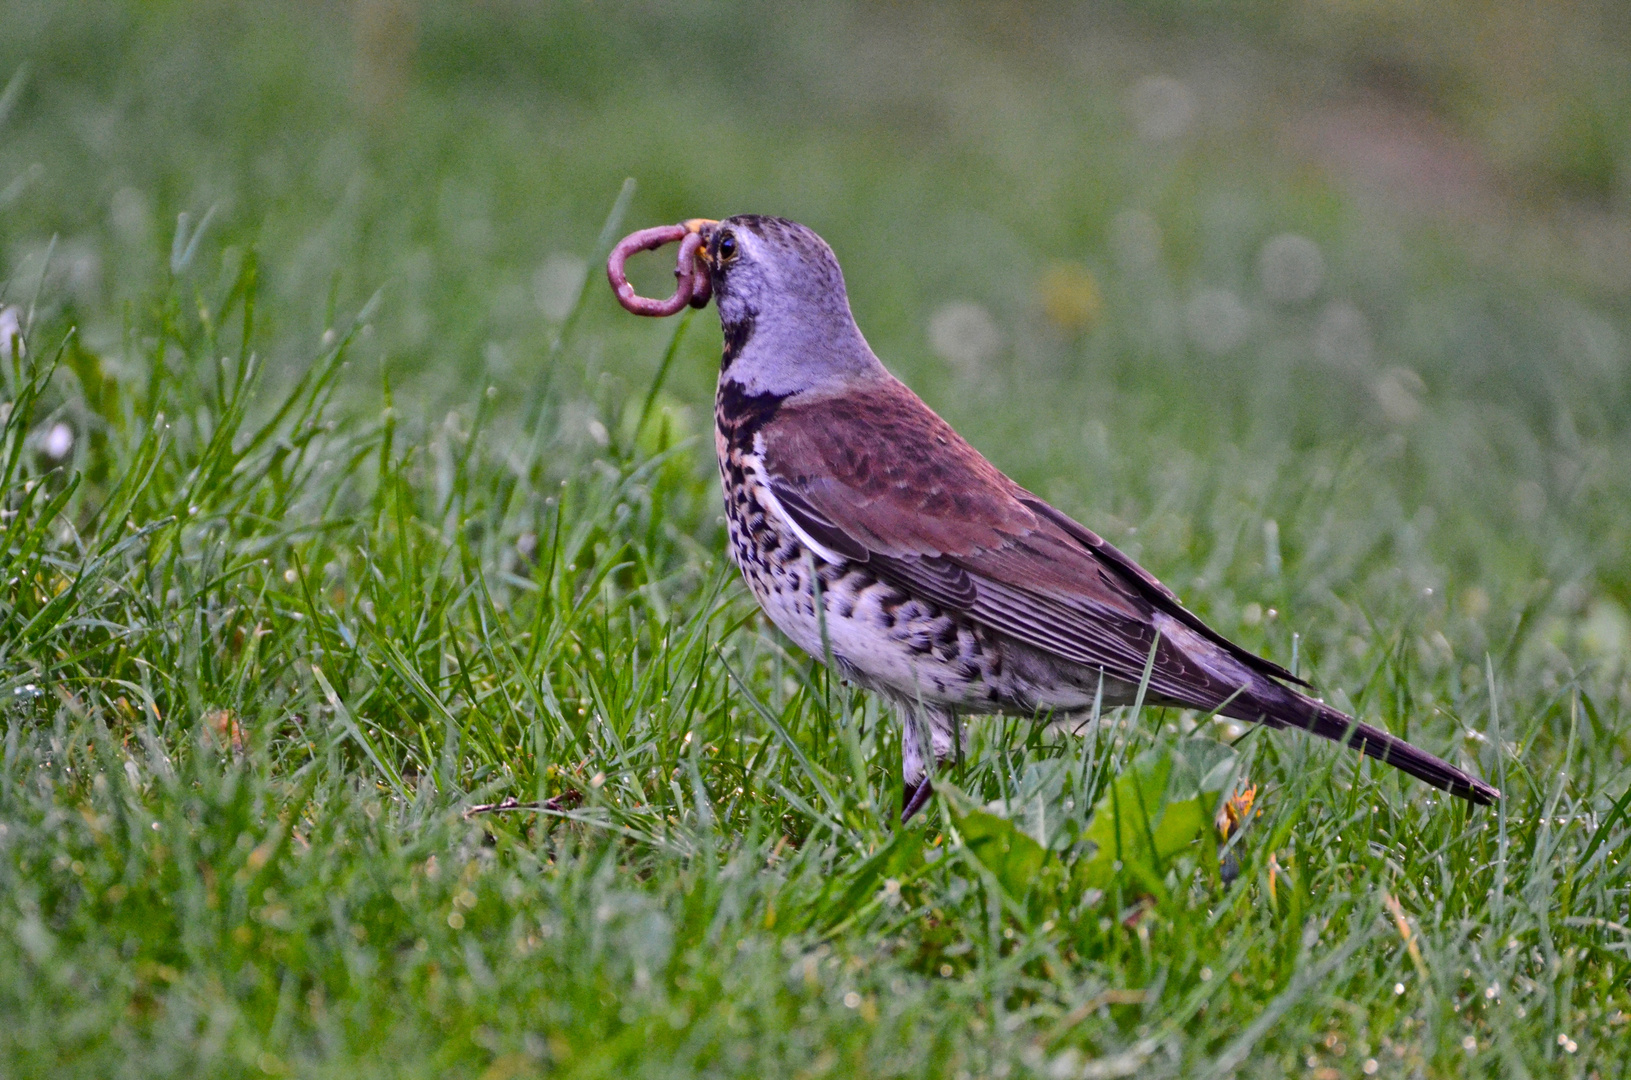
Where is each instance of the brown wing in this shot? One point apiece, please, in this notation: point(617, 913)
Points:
point(879, 478)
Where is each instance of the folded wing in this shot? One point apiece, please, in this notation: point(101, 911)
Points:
point(883, 480)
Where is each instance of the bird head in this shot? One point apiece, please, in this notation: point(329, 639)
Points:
point(782, 304)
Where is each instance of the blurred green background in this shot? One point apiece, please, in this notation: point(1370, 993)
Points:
point(1321, 310)
point(1462, 172)
point(1192, 226)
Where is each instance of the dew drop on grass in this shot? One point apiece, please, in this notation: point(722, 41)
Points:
point(1217, 321)
point(1290, 268)
point(11, 332)
point(1162, 108)
point(1135, 238)
point(58, 442)
point(964, 334)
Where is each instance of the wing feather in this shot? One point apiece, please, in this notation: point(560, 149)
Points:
point(937, 520)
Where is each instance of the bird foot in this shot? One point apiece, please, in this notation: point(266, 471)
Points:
point(914, 799)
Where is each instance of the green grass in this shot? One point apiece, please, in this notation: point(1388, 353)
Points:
point(354, 534)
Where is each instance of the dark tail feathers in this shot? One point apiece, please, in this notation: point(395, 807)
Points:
point(1294, 710)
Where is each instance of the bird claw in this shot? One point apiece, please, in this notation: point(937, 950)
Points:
point(914, 799)
point(692, 285)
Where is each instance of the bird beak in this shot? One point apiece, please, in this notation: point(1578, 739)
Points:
point(705, 227)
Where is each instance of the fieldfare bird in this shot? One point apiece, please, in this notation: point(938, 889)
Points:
point(882, 543)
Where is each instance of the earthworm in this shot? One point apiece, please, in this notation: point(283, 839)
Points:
point(691, 285)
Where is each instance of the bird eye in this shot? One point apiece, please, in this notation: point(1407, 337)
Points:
point(727, 248)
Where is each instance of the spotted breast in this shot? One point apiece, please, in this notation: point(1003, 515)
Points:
point(919, 652)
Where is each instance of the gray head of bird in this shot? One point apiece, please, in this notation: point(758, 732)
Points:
point(782, 305)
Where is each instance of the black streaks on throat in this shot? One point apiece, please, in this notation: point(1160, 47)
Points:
point(738, 333)
point(740, 415)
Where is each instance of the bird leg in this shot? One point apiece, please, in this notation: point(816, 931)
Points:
point(929, 735)
point(692, 284)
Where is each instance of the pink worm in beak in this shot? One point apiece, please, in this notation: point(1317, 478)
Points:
point(692, 285)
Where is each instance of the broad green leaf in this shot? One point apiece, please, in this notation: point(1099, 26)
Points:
point(1157, 809)
point(996, 843)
